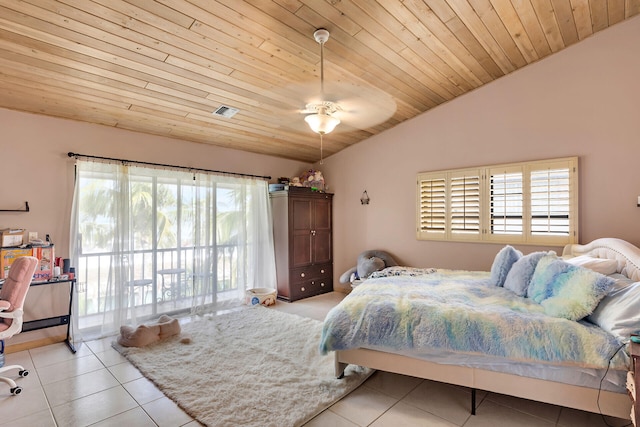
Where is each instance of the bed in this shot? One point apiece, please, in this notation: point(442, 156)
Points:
point(539, 326)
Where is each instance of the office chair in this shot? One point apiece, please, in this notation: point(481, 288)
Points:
point(12, 296)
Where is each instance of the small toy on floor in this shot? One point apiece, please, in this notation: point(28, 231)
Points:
point(144, 335)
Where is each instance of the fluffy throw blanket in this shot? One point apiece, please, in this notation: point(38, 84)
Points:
point(458, 311)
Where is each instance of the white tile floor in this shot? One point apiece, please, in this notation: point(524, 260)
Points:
point(98, 387)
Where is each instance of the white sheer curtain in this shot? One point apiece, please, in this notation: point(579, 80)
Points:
point(129, 223)
point(234, 239)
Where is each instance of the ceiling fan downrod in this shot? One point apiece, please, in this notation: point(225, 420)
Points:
point(321, 36)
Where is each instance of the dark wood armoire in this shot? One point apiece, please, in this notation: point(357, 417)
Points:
point(302, 230)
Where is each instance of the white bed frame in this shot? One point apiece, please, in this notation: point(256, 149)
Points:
point(583, 398)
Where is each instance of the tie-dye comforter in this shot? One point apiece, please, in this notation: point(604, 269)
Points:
point(461, 312)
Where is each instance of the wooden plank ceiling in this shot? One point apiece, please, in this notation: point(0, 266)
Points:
point(163, 66)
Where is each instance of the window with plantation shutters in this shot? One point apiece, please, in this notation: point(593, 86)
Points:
point(450, 205)
point(526, 203)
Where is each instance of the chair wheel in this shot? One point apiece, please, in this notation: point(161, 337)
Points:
point(16, 390)
point(23, 373)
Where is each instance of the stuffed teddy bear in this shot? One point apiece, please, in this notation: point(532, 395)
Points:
point(144, 335)
point(368, 262)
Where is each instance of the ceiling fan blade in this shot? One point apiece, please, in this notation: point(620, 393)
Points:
point(360, 113)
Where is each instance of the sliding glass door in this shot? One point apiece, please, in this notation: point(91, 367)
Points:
point(151, 241)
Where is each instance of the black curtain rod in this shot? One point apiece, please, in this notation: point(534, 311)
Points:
point(76, 155)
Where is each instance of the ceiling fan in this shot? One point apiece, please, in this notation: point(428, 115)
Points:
point(360, 105)
point(322, 118)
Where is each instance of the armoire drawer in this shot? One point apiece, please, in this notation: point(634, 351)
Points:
point(311, 287)
point(303, 274)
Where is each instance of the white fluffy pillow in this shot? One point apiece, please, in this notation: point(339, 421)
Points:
point(566, 290)
point(599, 265)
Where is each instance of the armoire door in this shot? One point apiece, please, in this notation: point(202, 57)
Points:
point(301, 217)
point(321, 231)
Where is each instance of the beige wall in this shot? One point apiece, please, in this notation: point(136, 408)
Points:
point(36, 168)
point(583, 101)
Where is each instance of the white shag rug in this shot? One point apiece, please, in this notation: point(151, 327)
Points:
point(253, 367)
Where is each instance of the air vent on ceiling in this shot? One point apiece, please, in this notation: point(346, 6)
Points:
point(225, 111)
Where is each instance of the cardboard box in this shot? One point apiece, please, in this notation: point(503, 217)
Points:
point(7, 256)
point(11, 237)
point(45, 255)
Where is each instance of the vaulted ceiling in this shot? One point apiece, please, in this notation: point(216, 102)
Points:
point(164, 66)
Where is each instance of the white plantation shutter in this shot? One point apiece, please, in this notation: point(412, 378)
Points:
point(506, 201)
point(553, 213)
point(432, 204)
point(531, 202)
point(464, 204)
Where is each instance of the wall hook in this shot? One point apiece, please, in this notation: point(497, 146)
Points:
point(365, 198)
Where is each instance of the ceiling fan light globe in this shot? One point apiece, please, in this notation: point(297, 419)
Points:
point(322, 123)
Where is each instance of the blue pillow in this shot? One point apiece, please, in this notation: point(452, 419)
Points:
point(565, 290)
point(502, 263)
point(521, 272)
point(548, 268)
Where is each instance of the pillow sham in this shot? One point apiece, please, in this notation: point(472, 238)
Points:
point(600, 265)
point(618, 312)
point(565, 290)
point(502, 263)
point(521, 272)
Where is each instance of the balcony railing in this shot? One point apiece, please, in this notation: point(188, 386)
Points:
point(192, 276)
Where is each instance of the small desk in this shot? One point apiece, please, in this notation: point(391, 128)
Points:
point(65, 319)
point(173, 287)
